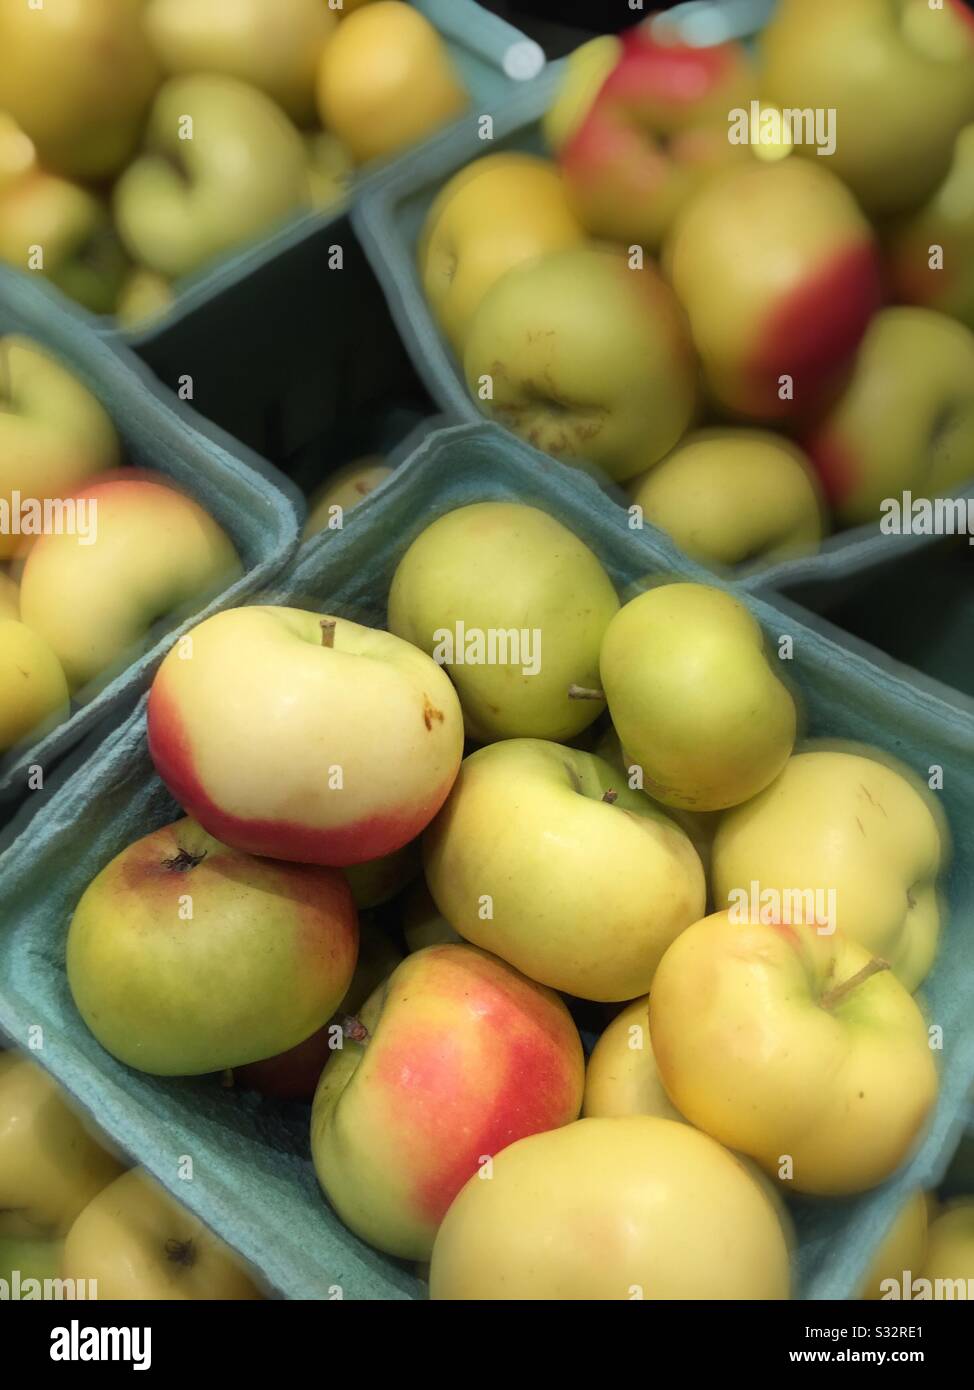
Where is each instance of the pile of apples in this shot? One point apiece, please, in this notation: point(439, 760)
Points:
point(762, 340)
point(79, 598)
point(742, 918)
point(141, 139)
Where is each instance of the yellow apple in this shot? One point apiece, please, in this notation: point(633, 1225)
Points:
point(344, 489)
point(386, 80)
point(52, 1160)
point(865, 829)
point(496, 213)
point(137, 1242)
point(33, 690)
point(144, 297)
point(795, 1047)
point(950, 1250)
point(9, 597)
point(18, 153)
point(330, 168)
point(621, 1076)
point(729, 496)
point(902, 1249)
point(624, 1208)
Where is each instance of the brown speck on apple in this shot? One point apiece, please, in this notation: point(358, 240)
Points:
point(430, 712)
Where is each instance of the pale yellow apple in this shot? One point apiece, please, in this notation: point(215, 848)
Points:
point(344, 489)
point(386, 80)
point(52, 1159)
point(796, 1048)
point(9, 597)
point(902, 1248)
point(143, 298)
point(33, 690)
point(544, 856)
point(694, 697)
point(625, 1208)
point(621, 1076)
point(496, 213)
point(330, 168)
point(857, 825)
point(137, 1242)
point(18, 153)
point(950, 1250)
point(727, 496)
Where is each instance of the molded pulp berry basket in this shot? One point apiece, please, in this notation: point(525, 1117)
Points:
point(253, 1180)
point(255, 504)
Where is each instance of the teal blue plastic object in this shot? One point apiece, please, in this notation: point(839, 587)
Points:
point(257, 506)
point(253, 1181)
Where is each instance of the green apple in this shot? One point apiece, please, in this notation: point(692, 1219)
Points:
point(23, 1259)
point(694, 698)
point(543, 855)
point(795, 1047)
point(585, 358)
point(53, 432)
point(905, 421)
point(78, 76)
point(897, 74)
point(377, 880)
point(342, 491)
point(163, 928)
point(63, 231)
point(867, 829)
point(222, 165)
point(729, 496)
point(271, 44)
point(422, 922)
point(143, 297)
point(515, 608)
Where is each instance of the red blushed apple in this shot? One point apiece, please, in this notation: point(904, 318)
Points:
point(650, 134)
point(304, 737)
point(461, 1055)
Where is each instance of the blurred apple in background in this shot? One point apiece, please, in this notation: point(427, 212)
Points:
point(344, 488)
point(695, 698)
point(360, 737)
point(137, 1242)
point(730, 496)
point(543, 855)
point(33, 690)
point(272, 44)
point(640, 123)
point(53, 432)
point(18, 153)
point(330, 169)
point(496, 213)
point(78, 77)
point(462, 1056)
point(905, 421)
point(386, 80)
point(788, 1044)
point(9, 597)
point(174, 916)
point(221, 164)
point(586, 359)
point(143, 297)
point(153, 553)
point(897, 73)
point(902, 1248)
point(486, 569)
point(778, 271)
point(950, 1248)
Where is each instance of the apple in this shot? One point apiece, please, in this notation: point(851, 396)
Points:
point(343, 490)
point(543, 855)
point(271, 44)
point(143, 297)
point(330, 169)
point(33, 690)
point(294, 1075)
point(795, 1047)
point(136, 1242)
point(631, 1207)
point(26, 1259)
point(461, 1056)
point(422, 922)
point(303, 736)
point(778, 271)
point(377, 880)
point(942, 231)
point(149, 552)
point(902, 1248)
point(500, 211)
point(222, 165)
point(185, 956)
point(52, 1160)
point(386, 80)
point(897, 73)
point(621, 1076)
point(905, 421)
point(54, 434)
point(731, 496)
point(640, 124)
point(694, 698)
point(867, 829)
point(9, 597)
point(465, 592)
point(585, 358)
point(950, 1250)
point(18, 153)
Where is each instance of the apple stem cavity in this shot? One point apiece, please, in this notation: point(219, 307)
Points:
point(328, 626)
point(355, 1030)
point(182, 862)
point(181, 1252)
point(584, 692)
point(835, 995)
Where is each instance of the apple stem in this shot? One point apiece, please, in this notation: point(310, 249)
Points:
point(354, 1029)
point(181, 1252)
point(839, 992)
point(584, 692)
point(328, 626)
point(610, 796)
